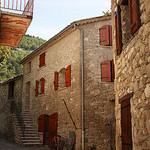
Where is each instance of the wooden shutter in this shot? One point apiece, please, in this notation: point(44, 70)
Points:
point(37, 88)
point(42, 85)
point(118, 30)
point(52, 127)
point(41, 123)
point(68, 76)
point(42, 60)
point(112, 71)
point(134, 15)
point(123, 2)
point(106, 71)
point(56, 81)
point(126, 125)
point(105, 35)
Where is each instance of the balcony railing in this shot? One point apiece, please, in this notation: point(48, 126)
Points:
point(23, 6)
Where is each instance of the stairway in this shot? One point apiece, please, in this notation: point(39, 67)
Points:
point(26, 129)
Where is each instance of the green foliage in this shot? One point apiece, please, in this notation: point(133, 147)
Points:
point(107, 13)
point(4, 54)
point(12, 66)
point(93, 147)
point(30, 42)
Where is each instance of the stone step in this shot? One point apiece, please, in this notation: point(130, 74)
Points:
point(32, 144)
point(30, 137)
point(31, 141)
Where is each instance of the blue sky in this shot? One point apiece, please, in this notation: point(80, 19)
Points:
point(51, 16)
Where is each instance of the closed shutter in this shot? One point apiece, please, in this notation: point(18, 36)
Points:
point(105, 35)
point(41, 123)
point(42, 60)
point(42, 85)
point(112, 71)
point(123, 2)
point(106, 71)
point(37, 88)
point(68, 76)
point(134, 15)
point(56, 81)
point(118, 30)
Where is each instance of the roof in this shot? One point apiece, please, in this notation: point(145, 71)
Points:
point(11, 79)
point(78, 23)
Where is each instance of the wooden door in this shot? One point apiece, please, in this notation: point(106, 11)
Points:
point(126, 125)
point(52, 127)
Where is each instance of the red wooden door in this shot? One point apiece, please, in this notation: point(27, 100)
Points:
point(52, 127)
point(126, 125)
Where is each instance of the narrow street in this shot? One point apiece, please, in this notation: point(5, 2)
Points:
point(6, 145)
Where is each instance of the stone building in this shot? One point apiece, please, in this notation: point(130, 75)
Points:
point(68, 84)
point(131, 51)
point(10, 99)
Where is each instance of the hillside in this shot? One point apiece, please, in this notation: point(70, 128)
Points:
point(12, 67)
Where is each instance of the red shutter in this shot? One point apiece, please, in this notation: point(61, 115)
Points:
point(42, 60)
point(110, 35)
point(112, 71)
point(68, 76)
point(42, 85)
point(118, 30)
point(105, 33)
point(52, 127)
point(134, 15)
point(41, 123)
point(37, 88)
point(123, 2)
point(106, 71)
point(56, 81)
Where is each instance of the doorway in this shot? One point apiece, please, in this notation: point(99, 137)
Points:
point(27, 105)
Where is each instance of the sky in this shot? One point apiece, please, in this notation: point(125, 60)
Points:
point(51, 16)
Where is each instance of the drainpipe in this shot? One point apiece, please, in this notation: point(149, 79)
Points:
point(83, 122)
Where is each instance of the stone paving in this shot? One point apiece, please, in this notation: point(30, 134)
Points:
point(6, 145)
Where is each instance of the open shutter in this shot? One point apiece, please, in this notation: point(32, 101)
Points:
point(41, 123)
point(42, 60)
point(106, 71)
point(37, 88)
point(105, 33)
point(42, 85)
point(112, 71)
point(56, 81)
point(68, 76)
point(134, 15)
point(118, 30)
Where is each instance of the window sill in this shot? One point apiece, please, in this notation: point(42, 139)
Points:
point(59, 89)
point(41, 67)
point(103, 46)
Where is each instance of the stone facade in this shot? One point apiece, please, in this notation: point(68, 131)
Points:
point(6, 104)
point(133, 76)
point(61, 51)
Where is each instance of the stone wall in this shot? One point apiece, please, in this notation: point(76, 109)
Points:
point(132, 75)
point(99, 96)
point(5, 105)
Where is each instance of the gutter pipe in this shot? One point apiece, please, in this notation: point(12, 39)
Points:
point(83, 115)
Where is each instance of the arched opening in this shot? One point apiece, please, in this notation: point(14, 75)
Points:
point(62, 74)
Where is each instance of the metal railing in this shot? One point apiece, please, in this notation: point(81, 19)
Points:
point(23, 6)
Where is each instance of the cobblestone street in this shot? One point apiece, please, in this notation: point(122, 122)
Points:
point(6, 145)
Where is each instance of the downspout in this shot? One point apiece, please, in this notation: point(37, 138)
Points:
point(83, 122)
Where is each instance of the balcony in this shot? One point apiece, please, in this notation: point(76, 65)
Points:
point(15, 17)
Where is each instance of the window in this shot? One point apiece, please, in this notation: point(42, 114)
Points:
point(106, 35)
point(40, 87)
point(62, 75)
point(42, 60)
point(11, 89)
point(63, 78)
point(107, 71)
point(29, 67)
